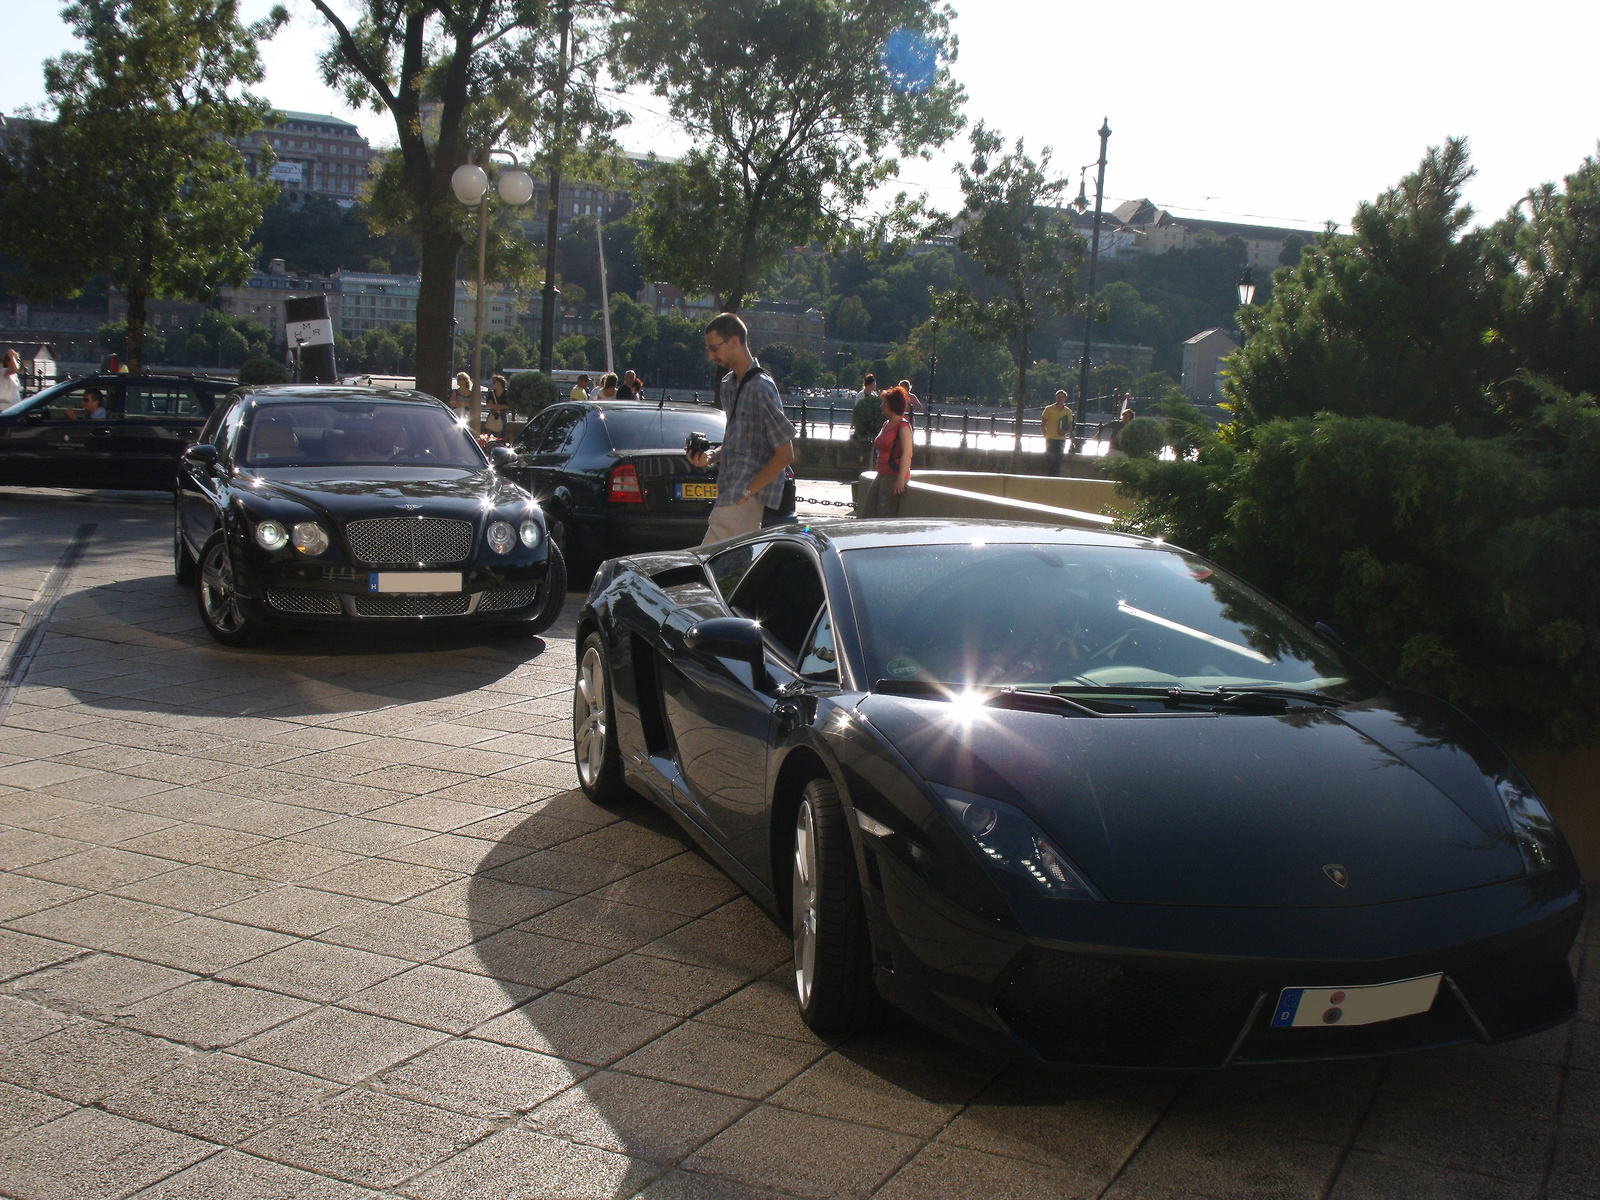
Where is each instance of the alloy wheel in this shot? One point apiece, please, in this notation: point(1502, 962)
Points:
point(216, 591)
point(589, 717)
point(805, 902)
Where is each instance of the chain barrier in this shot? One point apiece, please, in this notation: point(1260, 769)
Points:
point(829, 503)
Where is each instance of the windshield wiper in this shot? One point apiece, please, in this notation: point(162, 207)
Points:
point(1287, 693)
point(1174, 696)
point(1023, 699)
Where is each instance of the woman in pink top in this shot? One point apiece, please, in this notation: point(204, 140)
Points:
point(893, 446)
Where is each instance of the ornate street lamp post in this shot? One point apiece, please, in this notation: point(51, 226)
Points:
point(471, 185)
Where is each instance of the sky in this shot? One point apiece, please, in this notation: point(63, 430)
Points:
point(1276, 113)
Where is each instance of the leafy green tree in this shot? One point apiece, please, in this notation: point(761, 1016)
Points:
point(137, 178)
point(113, 339)
point(850, 319)
point(572, 352)
point(530, 392)
point(632, 325)
point(968, 369)
point(1014, 229)
point(263, 370)
point(489, 73)
point(1045, 379)
point(1387, 322)
point(1110, 378)
point(1154, 385)
point(799, 111)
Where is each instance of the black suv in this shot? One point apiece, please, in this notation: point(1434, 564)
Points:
point(59, 438)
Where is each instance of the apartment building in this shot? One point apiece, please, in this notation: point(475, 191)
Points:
point(784, 321)
point(318, 155)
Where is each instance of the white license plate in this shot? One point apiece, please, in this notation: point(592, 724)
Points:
point(1364, 1005)
point(414, 581)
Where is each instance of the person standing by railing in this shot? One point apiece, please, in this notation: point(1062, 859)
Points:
point(1055, 422)
point(893, 446)
point(10, 379)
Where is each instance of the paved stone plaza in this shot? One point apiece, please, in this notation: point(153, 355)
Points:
point(328, 919)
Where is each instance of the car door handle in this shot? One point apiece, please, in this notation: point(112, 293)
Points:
point(100, 433)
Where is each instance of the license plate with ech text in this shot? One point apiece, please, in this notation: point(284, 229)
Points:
point(1363, 1005)
point(414, 581)
point(697, 491)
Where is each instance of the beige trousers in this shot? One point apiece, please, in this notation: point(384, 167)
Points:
point(733, 520)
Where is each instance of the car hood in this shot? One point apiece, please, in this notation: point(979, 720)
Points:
point(1234, 809)
point(345, 492)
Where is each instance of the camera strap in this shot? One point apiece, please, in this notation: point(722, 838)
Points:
point(757, 369)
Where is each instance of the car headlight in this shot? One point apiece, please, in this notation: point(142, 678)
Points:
point(502, 537)
point(1530, 824)
point(271, 536)
point(310, 538)
point(530, 534)
point(1013, 845)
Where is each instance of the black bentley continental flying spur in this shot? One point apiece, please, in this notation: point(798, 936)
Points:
point(1077, 796)
point(338, 507)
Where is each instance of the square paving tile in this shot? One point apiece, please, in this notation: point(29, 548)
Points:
point(20, 896)
point(92, 1155)
point(403, 931)
point(368, 1138)
point(528, 959)
point(452, 1001)
point(316, 971)
point(381, 879)
point(722, 1060)
point(21, 954)
point(576, 1028)
point(480, 1079)
point(302, 911)
point(663, 984)
point(204, 945)
point(218, 1097)
point(100, 922)
point(196, 888)
point(521, 1165)
point(645, 1118)
point(234, 1176)
point(941, 1172)
point(210, 1015)
point(339, 1044)
point(775, 1148)
point(100, 869)
point(21, 1109)
point(100, 985)
point(604, 923)
point(1367, 1176)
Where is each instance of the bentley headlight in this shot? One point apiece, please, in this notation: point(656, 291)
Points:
point(1530, 824)
point(1013, 845)
point(271, 536)
point(530, 534)
point(502, 537)
point(310, 538)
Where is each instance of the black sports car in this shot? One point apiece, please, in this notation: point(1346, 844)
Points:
point(612, 477)
point(1077, 795)
point(327, 506)
point(106, 431)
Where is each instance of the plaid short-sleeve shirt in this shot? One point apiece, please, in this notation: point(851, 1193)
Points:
point(755, 431)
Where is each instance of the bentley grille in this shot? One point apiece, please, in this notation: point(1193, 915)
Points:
point(427, 604)
point(393, 541)
point(502, 599)
point(304, 602)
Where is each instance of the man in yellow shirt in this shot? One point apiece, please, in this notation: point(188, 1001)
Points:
point(1056, 421)
point(580, 390)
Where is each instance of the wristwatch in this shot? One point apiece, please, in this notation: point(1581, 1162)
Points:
point(747, 494)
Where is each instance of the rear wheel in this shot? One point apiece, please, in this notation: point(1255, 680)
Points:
point(224, 618)
point(832, 950)
point(594, 730)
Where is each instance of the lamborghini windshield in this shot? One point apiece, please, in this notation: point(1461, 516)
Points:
point(1077, 618)
point(358, 433)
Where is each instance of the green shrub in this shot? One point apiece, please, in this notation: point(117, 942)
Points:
point(867, 417)
point(1468, 567)
point(1142, 437)
point(529, 392)
point(263, 370)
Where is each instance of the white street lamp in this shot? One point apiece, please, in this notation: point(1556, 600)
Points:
point(470, 183)
point(1247, 288)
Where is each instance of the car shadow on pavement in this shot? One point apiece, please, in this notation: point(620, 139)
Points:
point(128, 643)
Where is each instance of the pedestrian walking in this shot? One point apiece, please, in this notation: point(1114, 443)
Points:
point(580, 390)
point(893, 446)
point(461, 399)
point(10, 379)
point(1056, 423)
point(608, 387)
point(499, 406)
point(758, 441)
point(916, 405)
point(1124, 419)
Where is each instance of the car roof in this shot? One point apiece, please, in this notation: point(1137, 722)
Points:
point(280, 393)
point(848, 534)
point(643, 406)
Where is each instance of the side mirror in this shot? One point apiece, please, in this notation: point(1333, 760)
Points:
point(201, 456)
point(501, 457)
point(738, 638)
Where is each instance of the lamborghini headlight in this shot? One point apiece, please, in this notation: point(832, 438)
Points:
point(1530, 824)
point(1011, 844)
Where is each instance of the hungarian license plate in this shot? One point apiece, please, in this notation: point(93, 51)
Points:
point(1364, 1005)
point(414, 581)
point(696, 491)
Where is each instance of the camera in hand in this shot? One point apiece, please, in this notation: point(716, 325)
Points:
point(697, 443)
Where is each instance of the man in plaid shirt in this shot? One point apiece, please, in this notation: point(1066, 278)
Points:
point(758, 442)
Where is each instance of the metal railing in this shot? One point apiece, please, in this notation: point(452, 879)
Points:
point(975, 427)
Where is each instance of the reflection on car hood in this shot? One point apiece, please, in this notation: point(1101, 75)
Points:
point(343, 492)
point(1194, 808)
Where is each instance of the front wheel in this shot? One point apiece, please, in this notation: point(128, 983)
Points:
point(594, 729)
point(182, 565)
point(555, 592)
point(832, 949)
point(224, 617)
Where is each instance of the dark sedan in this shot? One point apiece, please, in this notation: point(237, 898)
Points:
point(106, 431)
point(612, 477)
point(333, 507)
point(1121, 810)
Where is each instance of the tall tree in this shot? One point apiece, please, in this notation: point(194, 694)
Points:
point(459, 78)
point(137, 178)
point(1014, 228)
point(798, 109)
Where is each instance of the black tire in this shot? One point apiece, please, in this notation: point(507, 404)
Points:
point(594, 738)
point(581, 566)
point(183, 569)
point(219, 606)
point(832, 948)
point(555, 593)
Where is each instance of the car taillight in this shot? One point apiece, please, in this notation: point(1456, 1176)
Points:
point(625, 486)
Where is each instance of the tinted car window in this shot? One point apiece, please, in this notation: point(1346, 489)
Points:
point(664, 429)
point(817, 657)
point(65, 402)
point(729, 567)
point(358, 433)
point(784, 592)
point(1076, 616)
point(152, 400)
point(528, 439)
point(564, 432)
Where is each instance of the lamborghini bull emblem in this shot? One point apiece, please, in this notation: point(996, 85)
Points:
point(1337, 873)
